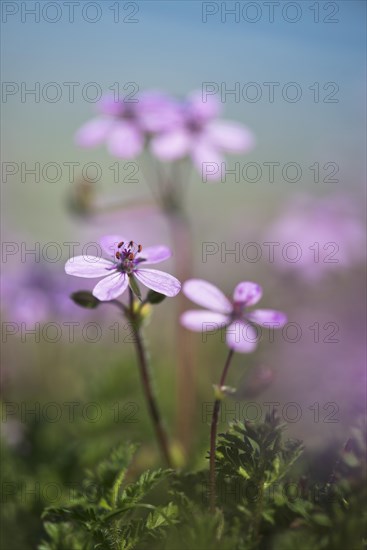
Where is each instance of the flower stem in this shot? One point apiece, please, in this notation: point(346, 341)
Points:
point(147, 386)
point(213, 434)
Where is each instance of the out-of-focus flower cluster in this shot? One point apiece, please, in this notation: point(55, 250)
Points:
point(171, 129)
point(328, 235)
point(37, 294)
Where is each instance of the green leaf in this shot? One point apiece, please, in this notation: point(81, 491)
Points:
point(162, 516)
point(322, 519)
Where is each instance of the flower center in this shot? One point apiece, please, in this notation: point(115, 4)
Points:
point(238, 310)
point(126, 256)
point(194, 125)
point(128, 113)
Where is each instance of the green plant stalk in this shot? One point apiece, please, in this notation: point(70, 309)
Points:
point(213, 434)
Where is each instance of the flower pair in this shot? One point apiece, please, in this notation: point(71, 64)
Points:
point(173, 129)
point(126, 265)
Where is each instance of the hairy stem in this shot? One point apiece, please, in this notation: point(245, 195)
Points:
point(213, 434)
point(147, 387)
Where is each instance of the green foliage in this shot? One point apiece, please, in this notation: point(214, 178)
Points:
point(115, 513)
point(261, 501)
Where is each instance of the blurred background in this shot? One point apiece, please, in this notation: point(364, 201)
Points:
point(315, 371)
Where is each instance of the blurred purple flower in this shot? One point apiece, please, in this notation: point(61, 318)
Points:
point(36, 294)
point(200, 136)
point(125, 125)
point(241, 335)
point(125, 263)
point(327, 233)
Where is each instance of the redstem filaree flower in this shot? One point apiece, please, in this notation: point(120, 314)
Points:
point(126, 265)
point(241, 335)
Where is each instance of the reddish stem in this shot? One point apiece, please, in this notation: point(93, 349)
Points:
point(213, 434)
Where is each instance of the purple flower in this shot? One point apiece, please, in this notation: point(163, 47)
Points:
point(125, 125)
point(241, 335)
point(126, 261)
point(201, 137)
point(37, 293)
point(315, 237)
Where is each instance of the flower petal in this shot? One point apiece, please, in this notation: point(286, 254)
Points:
point(154, 254)
point(125, 141)
point(171, 145)
point(111, 287)
point(89, 267)
point(203, 320)
point(268, 318)
point(231, 137)
point(158, 112)
point(93, 132)
point(109, 243)
point(159, 281)
point(247, 293)
point(207, 295)
point(241, 337)
point(207, 159)
point(109, 105)
point(202, 109)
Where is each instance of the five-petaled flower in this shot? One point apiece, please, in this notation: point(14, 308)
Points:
point(241, 335)
point(127, 261)
point(202, 137)
point(126, 125)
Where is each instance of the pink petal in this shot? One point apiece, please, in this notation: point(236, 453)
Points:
point(154, 254)
point(207, 295)
point(111, 287)
point(109, 105)
point(202, 107)
point(158, 112)
point(93, 132)
point(171, 145)
point(205, 154)
point(159, 281)
point(109, 243)
point(125, 140)
point(268, 318)
point(231, 137)
point(203, 320)
point(88, 266)
point(247, 293)
point(241, 337)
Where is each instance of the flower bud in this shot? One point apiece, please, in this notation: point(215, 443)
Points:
point(154, 297)
point(84, 298)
